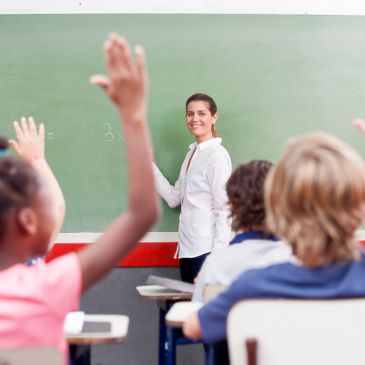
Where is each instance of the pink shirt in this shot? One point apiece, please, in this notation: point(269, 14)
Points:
point(34, 301)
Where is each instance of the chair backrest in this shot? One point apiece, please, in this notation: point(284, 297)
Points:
point(31, 356)
point(300, 332)
point(210, 291)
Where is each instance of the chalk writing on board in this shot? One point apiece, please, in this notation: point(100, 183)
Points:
point(110, 135)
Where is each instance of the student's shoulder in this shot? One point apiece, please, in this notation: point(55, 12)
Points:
point(65, 266)
point(254, 277)
point(223, 253)
point(361, 261)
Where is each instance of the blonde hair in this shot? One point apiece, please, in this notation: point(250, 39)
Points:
point(315, 198)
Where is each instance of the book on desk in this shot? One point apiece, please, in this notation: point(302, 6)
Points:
point(178, 285)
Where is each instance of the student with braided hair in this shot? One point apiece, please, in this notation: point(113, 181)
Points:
point(35, 300)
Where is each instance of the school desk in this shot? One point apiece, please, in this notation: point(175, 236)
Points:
point(179, 312)
point(98, 329)
point(175, 318)
point(169, 337)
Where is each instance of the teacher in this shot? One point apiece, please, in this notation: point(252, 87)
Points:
point(204, 223)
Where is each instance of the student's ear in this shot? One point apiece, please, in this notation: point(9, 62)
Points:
point(27, 220)
point(215, 116)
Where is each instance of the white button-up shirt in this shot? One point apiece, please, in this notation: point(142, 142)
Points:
point(204, 222)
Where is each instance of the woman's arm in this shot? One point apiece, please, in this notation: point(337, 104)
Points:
point(126, 86)
point(170, 193)
point(219, 170)
point(31, 147)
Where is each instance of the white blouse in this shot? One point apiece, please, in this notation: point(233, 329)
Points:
point(204, 223)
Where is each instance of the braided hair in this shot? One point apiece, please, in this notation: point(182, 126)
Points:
point(19, 184)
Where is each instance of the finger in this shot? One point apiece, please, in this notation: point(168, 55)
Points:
point(359, 124)
point(41, 132)
point(15, 146)
point(32, 126)
point(18, 131)
point(109, 59)
point(118, 57)
point(101, 81)
point(123, 54)
point(140, 61)
point(24, 124)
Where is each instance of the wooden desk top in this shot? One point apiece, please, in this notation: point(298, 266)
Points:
point(179, 312)
point(157, 292)
point(119, 330)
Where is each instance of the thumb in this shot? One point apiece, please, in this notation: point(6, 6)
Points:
point(14, 144)
point(101, 81)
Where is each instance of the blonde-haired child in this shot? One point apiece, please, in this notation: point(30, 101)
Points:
point(315, 200)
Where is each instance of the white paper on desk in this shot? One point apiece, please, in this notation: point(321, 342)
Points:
point(180, 311)
point(73, 323)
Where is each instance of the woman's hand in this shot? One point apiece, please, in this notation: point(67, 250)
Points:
point(126, 84)
point(30, 140)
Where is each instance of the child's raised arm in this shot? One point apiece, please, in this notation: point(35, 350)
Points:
point(126, 86)
point(359, 124)
point(31, 147)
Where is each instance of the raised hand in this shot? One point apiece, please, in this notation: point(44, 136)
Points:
point(359, 124)
point(126, 83)
point(30, 139)
point(30, 146)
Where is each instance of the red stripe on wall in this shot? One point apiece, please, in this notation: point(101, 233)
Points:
point(146, 254)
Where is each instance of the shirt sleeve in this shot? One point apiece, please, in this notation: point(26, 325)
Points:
point(201, 282)
point(60, 282)
point(170, 193)
point(218, 172)
point(213, 315)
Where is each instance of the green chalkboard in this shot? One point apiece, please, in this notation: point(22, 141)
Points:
point(272, 77)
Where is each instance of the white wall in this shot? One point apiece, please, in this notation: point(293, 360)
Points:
point(355, 7)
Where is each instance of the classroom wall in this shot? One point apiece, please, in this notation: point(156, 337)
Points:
point(273, 76)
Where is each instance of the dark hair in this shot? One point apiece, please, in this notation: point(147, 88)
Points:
point(18, 186)
point(245, 190)
point(4, 144)
point(212, 106)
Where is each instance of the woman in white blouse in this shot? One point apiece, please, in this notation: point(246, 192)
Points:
point(204, 223)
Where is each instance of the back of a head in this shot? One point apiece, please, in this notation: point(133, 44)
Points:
point(19, 184)
point(315, 198)
point(245, 190)
point(4, 144)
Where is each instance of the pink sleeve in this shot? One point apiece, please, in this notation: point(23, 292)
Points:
point(60, 283)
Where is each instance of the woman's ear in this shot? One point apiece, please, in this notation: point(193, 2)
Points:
point(27, 220)
point(215, 116)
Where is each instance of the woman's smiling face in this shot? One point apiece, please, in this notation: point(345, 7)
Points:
point(200, 120)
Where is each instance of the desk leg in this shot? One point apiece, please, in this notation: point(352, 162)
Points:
point(170, 345)
point(162, 338)
point(80, 355)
